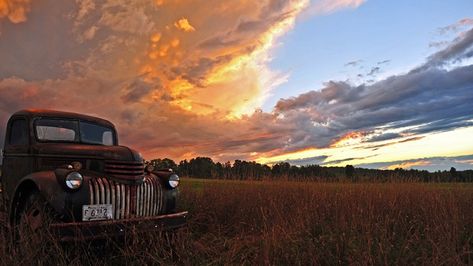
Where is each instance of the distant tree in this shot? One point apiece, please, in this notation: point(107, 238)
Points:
point(425, 177)
point(350, 172)
point(217, 170)
point(281, 170)
point(237, 169)
point(227, 170)
point(165, 163)
point(183, 168)
point(453, 174)
point(202, 167)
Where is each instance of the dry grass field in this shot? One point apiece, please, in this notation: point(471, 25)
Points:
point(282, 223)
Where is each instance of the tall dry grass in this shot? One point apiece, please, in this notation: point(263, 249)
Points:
point(296, 223)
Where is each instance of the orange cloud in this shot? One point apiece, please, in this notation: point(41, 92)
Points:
point(156, 37)
point(176, 94)
point(15, 10)
point(408, 165)
point(202, 71)
point(173, 93)
point(175, 42)
point(350, 138)
point(183, 24)
point(29, 91)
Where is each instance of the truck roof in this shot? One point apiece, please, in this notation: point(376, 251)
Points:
point(31, 113)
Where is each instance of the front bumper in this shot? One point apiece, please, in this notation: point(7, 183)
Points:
point(79, 231)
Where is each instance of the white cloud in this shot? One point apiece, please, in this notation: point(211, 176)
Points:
point(320, 7)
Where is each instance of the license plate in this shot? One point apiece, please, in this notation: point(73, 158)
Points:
point(97, 212)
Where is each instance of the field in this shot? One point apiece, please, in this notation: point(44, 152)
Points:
point(243, 222)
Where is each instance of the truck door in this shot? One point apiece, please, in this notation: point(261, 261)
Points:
point(16, 160)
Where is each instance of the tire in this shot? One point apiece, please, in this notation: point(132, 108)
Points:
point(32, 220)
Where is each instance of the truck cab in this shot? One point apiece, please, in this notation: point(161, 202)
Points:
point(93, 187)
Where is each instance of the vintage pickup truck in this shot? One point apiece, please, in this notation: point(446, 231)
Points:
point(66, 173)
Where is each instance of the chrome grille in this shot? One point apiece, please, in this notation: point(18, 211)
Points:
point(124, 169)
point(128, 201)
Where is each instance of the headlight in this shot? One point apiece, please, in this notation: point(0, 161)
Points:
point(74, 180)
point(173, 181)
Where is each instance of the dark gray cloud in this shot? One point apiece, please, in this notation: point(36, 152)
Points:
point(455, 27)
point(354, 63)
point(438, 44)
point(444, 125)
point(93, 58)
point(321, 160)
point(377, 146)
point(429, 99)
point(383, 62)
point(218, 42)
point(131, 65)
point(308, 161)
point(430, 163)
point(345, 160)
point(374, 71)
point(138, 89)
point(386, 136)
point(245, 32)
point(459, 50)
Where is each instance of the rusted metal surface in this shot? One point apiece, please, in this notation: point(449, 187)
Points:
point(129, 170)
point(148, 202)
point(31, 113)
point(112, 175)
point(82, 231)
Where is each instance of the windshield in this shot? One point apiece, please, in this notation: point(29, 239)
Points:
point(61, 130)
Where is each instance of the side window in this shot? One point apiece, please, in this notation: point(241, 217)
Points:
point(18, 132)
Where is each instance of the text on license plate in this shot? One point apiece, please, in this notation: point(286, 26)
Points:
point(97, 212)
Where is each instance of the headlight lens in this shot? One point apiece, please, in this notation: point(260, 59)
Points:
point(173, 180)
point(74, 180)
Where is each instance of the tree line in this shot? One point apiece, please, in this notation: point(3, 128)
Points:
point(205, 167)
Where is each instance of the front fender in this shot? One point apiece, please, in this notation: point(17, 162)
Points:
point(170, 195)
point(46, 183)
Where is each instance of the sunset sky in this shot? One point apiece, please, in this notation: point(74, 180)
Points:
point(379, 84)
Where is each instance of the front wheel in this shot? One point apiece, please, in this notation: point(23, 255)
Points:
point(32, 220)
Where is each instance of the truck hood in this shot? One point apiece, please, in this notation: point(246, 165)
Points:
point(116, 162)
point(73, 150)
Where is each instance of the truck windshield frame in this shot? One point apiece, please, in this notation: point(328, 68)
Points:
point(64, 130)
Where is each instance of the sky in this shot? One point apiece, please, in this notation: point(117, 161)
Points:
point(377, 84)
